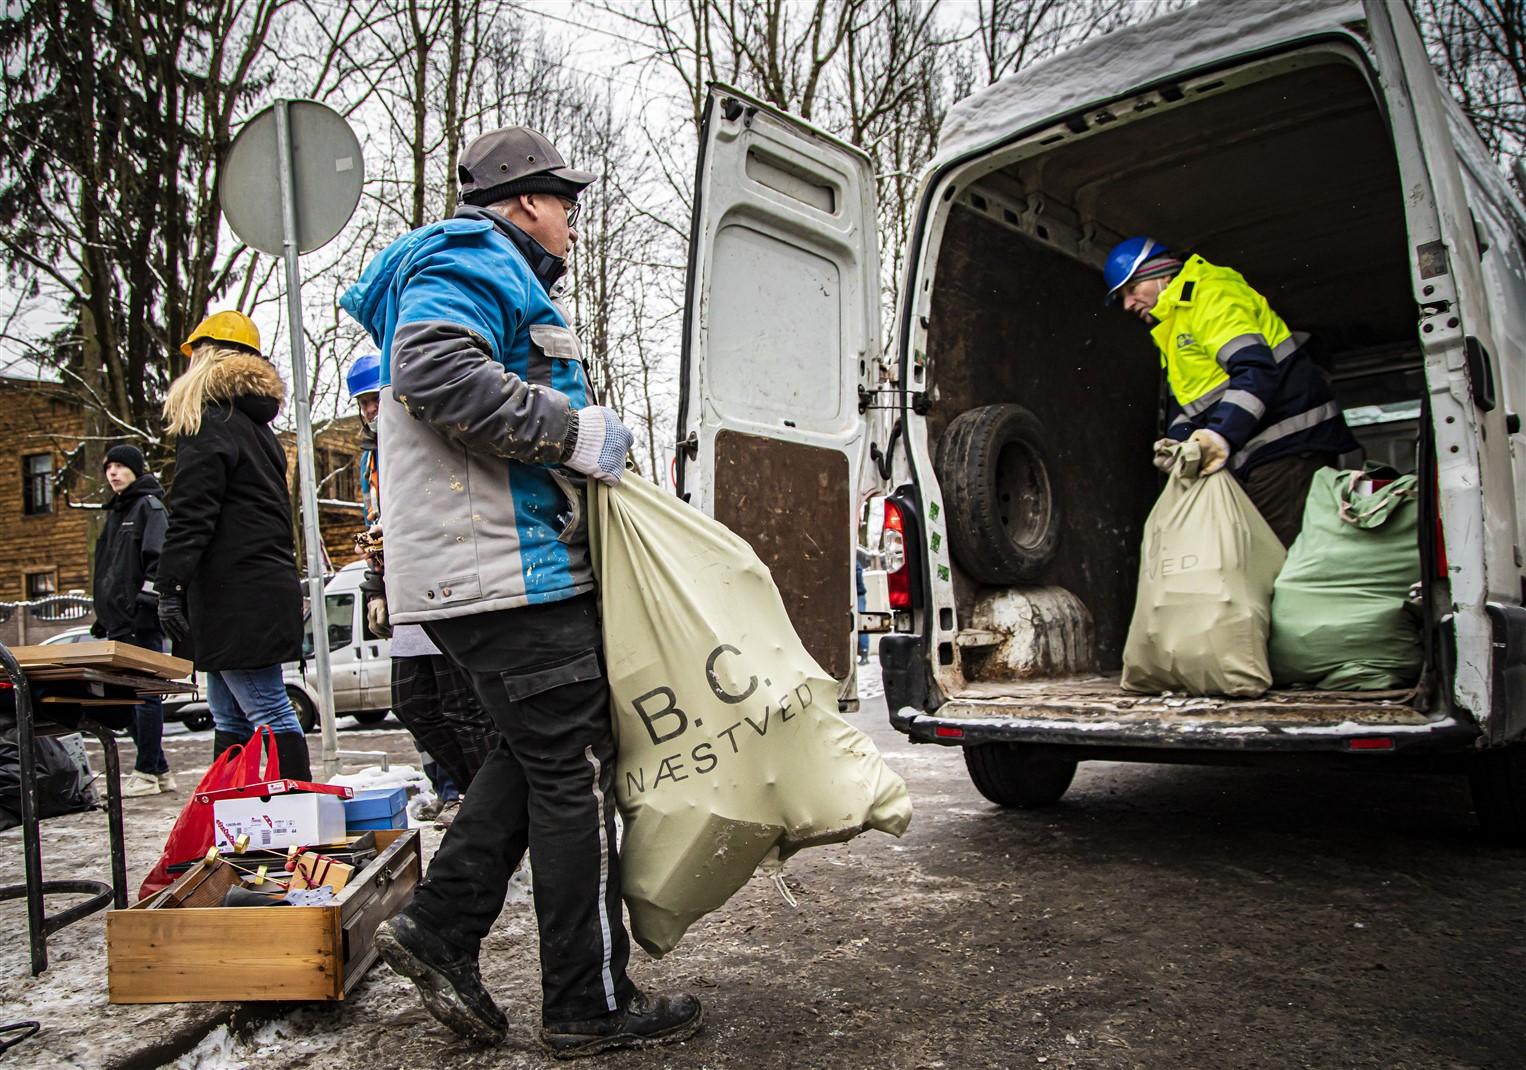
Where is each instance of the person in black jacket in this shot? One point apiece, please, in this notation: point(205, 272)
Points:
point(228, 585)
point(126, 605)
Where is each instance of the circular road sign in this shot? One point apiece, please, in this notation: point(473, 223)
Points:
point(327, 172)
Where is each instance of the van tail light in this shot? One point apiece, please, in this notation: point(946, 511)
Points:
point(896, 560)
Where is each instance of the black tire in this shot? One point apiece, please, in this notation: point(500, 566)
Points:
point(999, 494)
point(371, 716)
point(307, 715)
point(1498, 781)
point(1013, 775)
point(199, 721)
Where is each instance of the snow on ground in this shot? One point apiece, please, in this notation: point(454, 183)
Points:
point(870, 684)
point(420, 791)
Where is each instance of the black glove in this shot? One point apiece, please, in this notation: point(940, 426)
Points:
point(98, 630)
point(173, 619)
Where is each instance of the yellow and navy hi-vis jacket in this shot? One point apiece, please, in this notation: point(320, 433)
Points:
point(1233, 367)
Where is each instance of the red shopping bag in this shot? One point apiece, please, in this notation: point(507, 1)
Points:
point(192, 835)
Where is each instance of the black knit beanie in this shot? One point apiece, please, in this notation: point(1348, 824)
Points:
point(542, 183)
point(127, 455)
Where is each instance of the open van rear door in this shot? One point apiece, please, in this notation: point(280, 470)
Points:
point(1474, 464)
point(781, 328)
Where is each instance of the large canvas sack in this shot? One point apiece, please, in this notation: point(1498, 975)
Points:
point(1339, 621)
point(730, 746)
point(1205, 588)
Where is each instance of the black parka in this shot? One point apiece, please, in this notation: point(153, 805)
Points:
point(229, 548)
point(127, 559)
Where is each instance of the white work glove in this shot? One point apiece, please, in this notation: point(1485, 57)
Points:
point(1165, 454)
point(597, 443)
point(376, 616)
point(1215, 450)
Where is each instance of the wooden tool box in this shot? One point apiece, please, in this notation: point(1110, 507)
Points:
point(175, 947)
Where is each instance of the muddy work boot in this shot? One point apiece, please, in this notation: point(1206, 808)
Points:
point(646, 1022)
point(446, 977)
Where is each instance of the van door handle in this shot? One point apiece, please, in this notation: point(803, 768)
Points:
point(1480, 374)
point(375, 650)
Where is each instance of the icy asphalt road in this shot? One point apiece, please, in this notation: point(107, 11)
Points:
point(1160, 917)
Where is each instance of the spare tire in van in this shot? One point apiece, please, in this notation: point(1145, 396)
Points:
point(999, 494)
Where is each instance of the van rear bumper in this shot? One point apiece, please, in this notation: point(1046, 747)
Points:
point(1164, 734)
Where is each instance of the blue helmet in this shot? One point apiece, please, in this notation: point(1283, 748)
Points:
point(1125, 259)
point(364, 376)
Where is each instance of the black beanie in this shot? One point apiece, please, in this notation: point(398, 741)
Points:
point(127, 455)
point(541, 183)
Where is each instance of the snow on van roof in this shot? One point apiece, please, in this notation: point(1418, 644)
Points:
point(1112, 65)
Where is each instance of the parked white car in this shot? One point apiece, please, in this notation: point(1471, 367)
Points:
point(360, 664)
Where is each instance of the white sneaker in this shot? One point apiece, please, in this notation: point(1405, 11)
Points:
point(136, 784)
point(167, 782)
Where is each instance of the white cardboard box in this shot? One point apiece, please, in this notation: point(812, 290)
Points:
point(302, 818)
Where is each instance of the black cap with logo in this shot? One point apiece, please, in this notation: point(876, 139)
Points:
point(505, 163)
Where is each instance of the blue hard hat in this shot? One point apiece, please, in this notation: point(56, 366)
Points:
point(1124, 259)
point(364, 376)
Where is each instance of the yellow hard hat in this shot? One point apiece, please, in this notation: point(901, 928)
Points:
point(229, 326)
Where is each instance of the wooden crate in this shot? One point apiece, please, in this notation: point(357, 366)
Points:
point(209, 954)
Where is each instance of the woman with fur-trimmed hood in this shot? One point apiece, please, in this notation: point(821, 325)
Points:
point(228, 586)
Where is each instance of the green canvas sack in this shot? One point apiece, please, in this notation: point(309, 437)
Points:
point(1339, 621)
point(730, 748)
point(1206, 570)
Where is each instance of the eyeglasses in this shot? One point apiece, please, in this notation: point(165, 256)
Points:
point(574, 209)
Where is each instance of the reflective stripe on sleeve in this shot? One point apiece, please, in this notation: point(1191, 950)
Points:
point(1244, 399)
point(1198, 406)
point(1239, 342)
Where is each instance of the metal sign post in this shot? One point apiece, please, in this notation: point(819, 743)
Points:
point(318, 172)
point(312, 534)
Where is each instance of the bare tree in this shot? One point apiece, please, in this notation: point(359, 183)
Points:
point(1479, 48)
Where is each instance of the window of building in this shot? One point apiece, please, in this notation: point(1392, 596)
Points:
point(41, 585)
point(343, 484)
point(37, 483)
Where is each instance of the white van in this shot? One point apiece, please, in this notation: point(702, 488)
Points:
point(360, 662)
point(1308, 145)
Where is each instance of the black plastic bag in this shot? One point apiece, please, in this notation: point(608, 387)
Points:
point(63, 781)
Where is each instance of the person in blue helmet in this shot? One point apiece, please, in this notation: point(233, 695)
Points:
point(1241, 383)
point(430, 695)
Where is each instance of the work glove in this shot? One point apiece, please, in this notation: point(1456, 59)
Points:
point(98, 630)
point(376, 616)
point(596, 444)
point(173, 619)
point(1215, 450)
point(1165, 454)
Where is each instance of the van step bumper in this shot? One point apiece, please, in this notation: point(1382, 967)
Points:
point(1095, 712)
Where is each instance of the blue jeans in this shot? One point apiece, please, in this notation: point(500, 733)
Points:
point(243, 699)
point(147, 726)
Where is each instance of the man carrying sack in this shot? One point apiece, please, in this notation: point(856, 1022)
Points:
point(485, 407)
point(1241, 384)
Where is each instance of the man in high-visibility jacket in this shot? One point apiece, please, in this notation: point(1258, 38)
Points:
point(1240, 383)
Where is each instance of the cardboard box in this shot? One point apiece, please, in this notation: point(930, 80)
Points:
point(379, 808)
point(315, 869)
point(167, 950)
point(302, 819)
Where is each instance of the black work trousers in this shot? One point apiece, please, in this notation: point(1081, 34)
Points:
point(437, 704)
point(548, 786)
